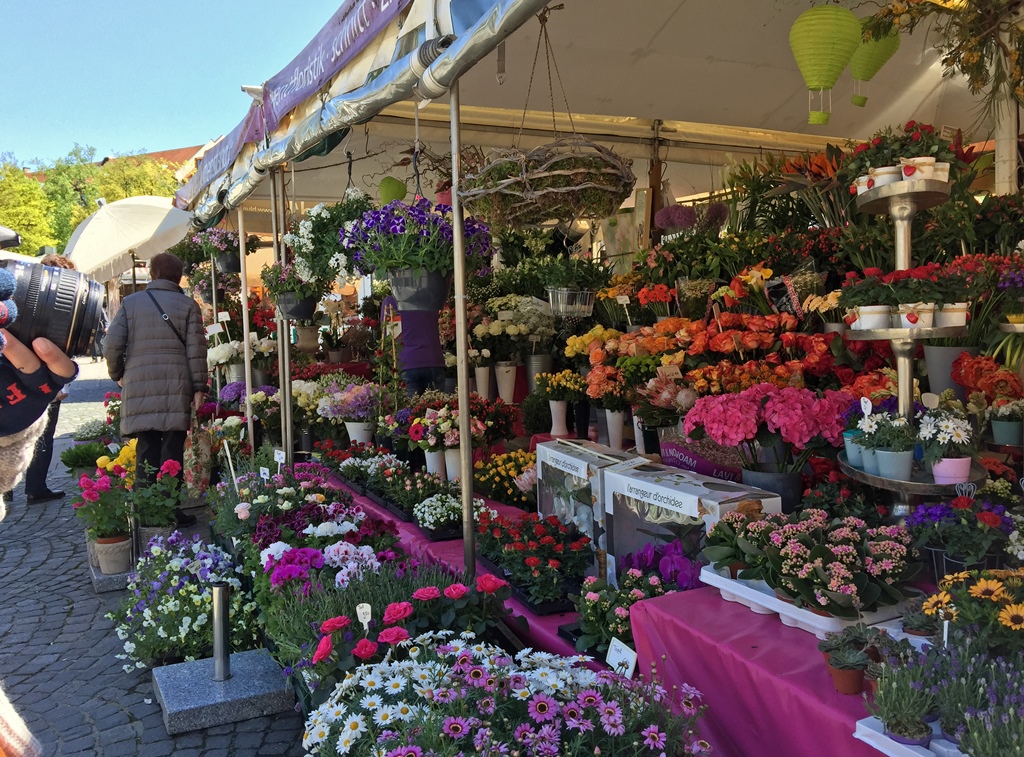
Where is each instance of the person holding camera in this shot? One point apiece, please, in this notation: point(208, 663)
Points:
point(155, 349)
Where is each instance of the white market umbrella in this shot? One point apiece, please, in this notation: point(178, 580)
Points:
point(103, 244)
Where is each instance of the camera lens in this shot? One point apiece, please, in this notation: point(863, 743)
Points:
point(56, 303)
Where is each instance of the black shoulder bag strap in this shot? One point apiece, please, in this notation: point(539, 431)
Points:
point(167, 319)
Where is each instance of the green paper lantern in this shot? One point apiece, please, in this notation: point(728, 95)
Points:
point(823, 39)
point(869, 59)
point(391, 189)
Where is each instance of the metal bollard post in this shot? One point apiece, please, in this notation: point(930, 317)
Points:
point(221, 632)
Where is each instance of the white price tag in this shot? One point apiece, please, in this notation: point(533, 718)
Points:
point(114, 448)
point(534, 338)
point(279, 456)
point(506, 315)
point(223, 316)
point(865, 406)
point(363, 615)
point(215, 328)
point(264, 473)
point(622, 299)
point(671, 372)
point(621, 658)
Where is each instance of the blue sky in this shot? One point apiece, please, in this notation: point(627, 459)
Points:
point(128, 76)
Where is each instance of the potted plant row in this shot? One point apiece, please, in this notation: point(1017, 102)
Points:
point(922, 297)
point(915, 152)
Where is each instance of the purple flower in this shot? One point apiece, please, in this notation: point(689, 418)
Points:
point(653, 738)
point(455, 727)
point(233, 392)
point(542, 708)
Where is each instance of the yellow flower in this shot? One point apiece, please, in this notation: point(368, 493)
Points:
point(936, 602)
point(103, 462)
point(988, 589)
point(1012, 616)
point(953, 578)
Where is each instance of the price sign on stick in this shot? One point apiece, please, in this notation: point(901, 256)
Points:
point(621, 658)
point(215, 328)
point(363, 615)
point(264, 473)
point(622, 299)
point(865, 406)
point(279, 459)
point(223, 316)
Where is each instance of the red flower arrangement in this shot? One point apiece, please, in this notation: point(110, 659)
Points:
point(984, 374)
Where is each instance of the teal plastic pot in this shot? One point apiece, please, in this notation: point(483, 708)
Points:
point(854, 452)
point(896, 466)
point(1008, 433)
point(870, 460)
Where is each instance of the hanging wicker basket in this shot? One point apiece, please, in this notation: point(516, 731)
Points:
point(562, 181)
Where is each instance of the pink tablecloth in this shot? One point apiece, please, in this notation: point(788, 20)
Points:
point(765, 684)
point(535, 631)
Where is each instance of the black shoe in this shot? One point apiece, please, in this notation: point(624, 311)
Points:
point(47, 496)
point(184, 519)
point(6, 496)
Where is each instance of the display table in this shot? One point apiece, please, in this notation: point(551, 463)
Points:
point(765, 684)
point(541, 438)
point(536, 632)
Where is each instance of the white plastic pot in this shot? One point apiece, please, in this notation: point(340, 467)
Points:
point(912, 169)
point(871, 317)
point(952, 314)
point(917, 315)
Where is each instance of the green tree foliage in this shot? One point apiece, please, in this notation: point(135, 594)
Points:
point(24, 207)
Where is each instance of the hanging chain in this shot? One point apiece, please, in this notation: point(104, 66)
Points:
point(549, 59)
point(533, 70)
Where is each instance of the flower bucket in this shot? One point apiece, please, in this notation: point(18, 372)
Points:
point(789, 486)
point(307, 339)
point(335, 356)
point(571, 303)
point(834, 328)
point(952, 470)
point(505, 373)
point(435, 462)
point(941, 172)
point(951, 564)
point(616, 420)
point(418, 289)
point(917, 315)
point(114, 554)
point(453, 463)
point(870, 460)
point(638, 436)
point(235, 372)
point(952, 314)
point(147, 533)
point(871, 317)
point(917, 168)
point(939, 362)
point(260, 377)
point(360, 431)
point(1008, 433)
point(559, 411)
point(895, 465)
point(854, 451)
point(536, 364)
point(483, 380)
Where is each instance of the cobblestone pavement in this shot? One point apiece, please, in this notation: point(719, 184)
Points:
point(57, 650)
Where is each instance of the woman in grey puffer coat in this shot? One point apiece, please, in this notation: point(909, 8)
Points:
point(160, 364)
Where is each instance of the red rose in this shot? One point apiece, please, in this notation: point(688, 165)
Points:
point(876, 141)
point(532, 562)
point(845, 374)
point(915, 137)
point(489, 584)
point(961, 503)
point(456, 591)
point(335, 624)
point(910, 125)
point(323, 649)
point(990, 519)
point(397, 611)
point(872, 272)
point(392, 635)
point(554, 564)
point(365, 649)
point(426, 593)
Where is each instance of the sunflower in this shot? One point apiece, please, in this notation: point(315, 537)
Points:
point(987, 588)
point(936, 602)
point(1012, 616)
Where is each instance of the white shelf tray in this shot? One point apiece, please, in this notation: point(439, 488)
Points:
point(760, 598)
point(871, 731)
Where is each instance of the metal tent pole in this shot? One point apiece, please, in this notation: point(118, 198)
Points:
point(462, 341)
point(284, 355)
point(246, 347)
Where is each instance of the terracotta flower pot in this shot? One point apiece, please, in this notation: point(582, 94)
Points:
point(850, 682)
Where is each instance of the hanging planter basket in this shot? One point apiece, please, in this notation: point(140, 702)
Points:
point(565, 180)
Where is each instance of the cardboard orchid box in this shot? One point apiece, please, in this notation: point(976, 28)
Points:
point(653, 501)
point(570, 475)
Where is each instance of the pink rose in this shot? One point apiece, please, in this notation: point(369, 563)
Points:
point(426, 593)
point(489, 584)
point(323, 649)
point(242, 510)
point(393, 635)
point(456, 591)
point(91, 495)
point(365, 649)
point(335, 624)
point(397, 611)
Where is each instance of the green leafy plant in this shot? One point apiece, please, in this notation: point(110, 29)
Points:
point(83, 455)
point(156, 502)
point(903, 700)
point(848, 658)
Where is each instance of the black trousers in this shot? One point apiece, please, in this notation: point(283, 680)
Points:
point(155, 448)
point(35, 475)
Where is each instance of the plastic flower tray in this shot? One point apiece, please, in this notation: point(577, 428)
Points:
point(760, 598)
point(872, 732)
point(537, 608)
point(441, 534)
point(394, 509)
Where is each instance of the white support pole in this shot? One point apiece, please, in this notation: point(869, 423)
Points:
point(462, 341)
point(284, 347)
point(1007, 127)
point(246, 347)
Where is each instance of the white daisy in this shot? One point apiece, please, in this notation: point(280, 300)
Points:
point(385, 715)
point(354, 726)
point(371, 702)
point(371, 682)
point(394, 685)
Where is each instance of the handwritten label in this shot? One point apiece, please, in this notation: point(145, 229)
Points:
point(865, 406)
point(506, 315)
point(264, 473)
point(621, 658)
point(279, 456)
point(215, 328)
point(622, 299)
point(223, 316)
point(363, 615)
point(671, 372)
point(534, 338)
